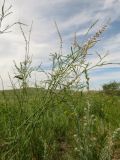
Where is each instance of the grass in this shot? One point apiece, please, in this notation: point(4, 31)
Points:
point(68, 129)
point(58, 121)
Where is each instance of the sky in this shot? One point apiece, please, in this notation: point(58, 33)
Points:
point(71, 16)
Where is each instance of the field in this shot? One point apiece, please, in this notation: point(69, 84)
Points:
point(58, 117)
point(62, 125)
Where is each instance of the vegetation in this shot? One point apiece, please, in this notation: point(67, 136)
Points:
point(112, 88)
point(70, 127)
point(59, 119)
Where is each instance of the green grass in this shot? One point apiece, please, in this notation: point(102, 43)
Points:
point(64, 125)
point(59, 122)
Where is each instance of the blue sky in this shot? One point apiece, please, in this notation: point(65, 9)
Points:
point(71, 16)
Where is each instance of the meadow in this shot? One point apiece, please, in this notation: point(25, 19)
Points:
point(66, 125)
point(59, 118)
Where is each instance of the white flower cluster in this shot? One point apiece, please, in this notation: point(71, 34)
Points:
point(116, 134)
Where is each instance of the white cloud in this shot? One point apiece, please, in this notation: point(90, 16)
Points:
point(110, 3)
point(78, 19)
